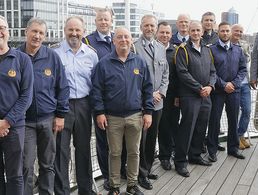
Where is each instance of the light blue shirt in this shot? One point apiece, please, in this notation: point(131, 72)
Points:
point(180, 37)
point(78, 68)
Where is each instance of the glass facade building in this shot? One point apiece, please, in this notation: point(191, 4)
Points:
point(133, 20)
point(54, 12)
point(231, 16)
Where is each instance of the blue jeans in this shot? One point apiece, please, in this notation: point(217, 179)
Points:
point(245, 106)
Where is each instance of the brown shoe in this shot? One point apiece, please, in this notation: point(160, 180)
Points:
point(241, 145)
point(244, 142)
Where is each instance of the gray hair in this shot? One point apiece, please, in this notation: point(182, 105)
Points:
point(38, 21)
point(150, 16)
point(4, 19)
point(78, 18)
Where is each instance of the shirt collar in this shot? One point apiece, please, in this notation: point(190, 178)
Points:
point(223, 44)
point(180, 37)
point(166, 47)
point(68, 48)
point(102, 36)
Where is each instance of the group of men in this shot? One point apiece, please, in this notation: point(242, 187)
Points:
point(205, 75)
point(45, 99)
point(133, 91)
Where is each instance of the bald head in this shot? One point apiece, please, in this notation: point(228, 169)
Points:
point(182, 24)
point(122, 41)
point(237, 31)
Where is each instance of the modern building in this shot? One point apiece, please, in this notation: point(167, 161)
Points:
point(86, 12)
point(18, 13)
point(231, 16)
point(54, 12)
point(130, 14)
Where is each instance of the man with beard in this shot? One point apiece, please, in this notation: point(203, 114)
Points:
point(79, 61)
point(230, 65)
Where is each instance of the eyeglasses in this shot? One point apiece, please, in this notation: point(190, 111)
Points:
point(3, 28)
point(120, 37)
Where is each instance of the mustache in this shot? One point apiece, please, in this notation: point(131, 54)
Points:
point(74, 36)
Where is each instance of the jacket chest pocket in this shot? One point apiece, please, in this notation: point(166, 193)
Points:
point(44, 79)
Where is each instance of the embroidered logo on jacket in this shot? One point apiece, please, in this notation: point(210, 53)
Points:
point(47, 72)
point(11, 73)
point(136, 71)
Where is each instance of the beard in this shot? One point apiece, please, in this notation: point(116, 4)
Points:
point(74, 41)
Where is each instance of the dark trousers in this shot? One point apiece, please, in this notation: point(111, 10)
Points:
point(191, 133)
point(11, 162)
point(77, 122)
point(40, 136)
point(148, 145)
point(168, 126)
point(232, 102)
point(102, 152)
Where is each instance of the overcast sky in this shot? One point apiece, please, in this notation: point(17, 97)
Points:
point(247, 9)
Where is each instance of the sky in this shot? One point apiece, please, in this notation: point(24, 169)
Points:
point(247, 9)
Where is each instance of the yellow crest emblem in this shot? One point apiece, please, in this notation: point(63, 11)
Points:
point(136, 71)
point(11, 73)
point(47, 72)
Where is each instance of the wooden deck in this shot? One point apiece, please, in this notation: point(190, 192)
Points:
point(226, 176)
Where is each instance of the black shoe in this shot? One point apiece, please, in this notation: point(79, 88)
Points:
point(165, 164)
point(133, 190)
point(106, 185)
point(221, 148)
point(153, 176)
point(236, 155)
point(114, 191)
point(182, 171)
point(212, 157)
point(200, 161)
point(145, 183)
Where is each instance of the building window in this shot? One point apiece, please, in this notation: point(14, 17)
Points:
point(9, 19)
point(2, 5)
point(23, 33)
point(16, 19)
point(15, 4)
point(9, 7)
point(15, 33)
point(120, 23)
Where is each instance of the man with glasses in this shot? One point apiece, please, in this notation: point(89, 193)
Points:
point(16, 85)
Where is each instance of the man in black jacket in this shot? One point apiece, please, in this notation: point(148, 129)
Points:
point(197, 77)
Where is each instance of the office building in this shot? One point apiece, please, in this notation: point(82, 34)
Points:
point(129, 15)
point(231, 16)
